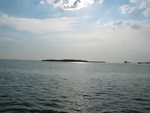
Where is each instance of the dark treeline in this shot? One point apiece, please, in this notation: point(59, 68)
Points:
point(65, 60)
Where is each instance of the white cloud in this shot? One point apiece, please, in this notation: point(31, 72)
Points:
point(101, 1)
point(42, 2)
point(135, 0)
point(139, 5)
point(123, 24)
point(78, 4)
point(52, 2)
point(147, 12)
point(38, 25)
point(145, 6)
point(55, 2)
point(127, 9)
point(71, 5)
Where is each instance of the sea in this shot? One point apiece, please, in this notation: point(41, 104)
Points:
point(69, 87)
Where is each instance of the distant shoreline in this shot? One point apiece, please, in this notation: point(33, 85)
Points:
point(143, 62)
point(65, 60)
point(72, 60)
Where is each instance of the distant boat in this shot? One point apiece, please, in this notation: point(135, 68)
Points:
point(126, 62)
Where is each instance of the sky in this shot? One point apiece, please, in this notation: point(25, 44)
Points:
point(105, 30)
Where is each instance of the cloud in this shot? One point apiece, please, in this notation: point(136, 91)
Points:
point(101, 1)
point(132, 1)
point(52, 2)
point(147, 12)
point(123, 24)
point(127, 9)
point(137, 5)
point(145, 6)
point(71, 5)
point(42, 2)
point(38, 25)
point(78, 4)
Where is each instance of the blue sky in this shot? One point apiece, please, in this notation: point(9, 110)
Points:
point(109, 30)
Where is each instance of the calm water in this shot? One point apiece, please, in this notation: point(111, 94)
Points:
point(55, 87)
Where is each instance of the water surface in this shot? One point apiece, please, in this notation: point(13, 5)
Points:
point(61, 87)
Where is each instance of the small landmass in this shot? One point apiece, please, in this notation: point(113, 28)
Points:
point(72, 60)
point(143, 62)
point(65, 60)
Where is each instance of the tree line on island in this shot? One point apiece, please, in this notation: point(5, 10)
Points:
point(72, 60)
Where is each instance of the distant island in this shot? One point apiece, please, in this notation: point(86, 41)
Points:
point(65, 60)
point(137, 62)
point(143, 62)
point(71, 60)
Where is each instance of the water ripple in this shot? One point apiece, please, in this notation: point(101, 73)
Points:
point(41, 87)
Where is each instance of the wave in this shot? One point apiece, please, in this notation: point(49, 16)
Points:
point(23, 110)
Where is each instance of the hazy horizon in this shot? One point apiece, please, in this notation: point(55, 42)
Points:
point(101, 30)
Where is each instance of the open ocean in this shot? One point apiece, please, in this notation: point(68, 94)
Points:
point(63, 87)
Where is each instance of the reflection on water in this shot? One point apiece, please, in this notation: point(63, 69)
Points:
point(57, 87)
